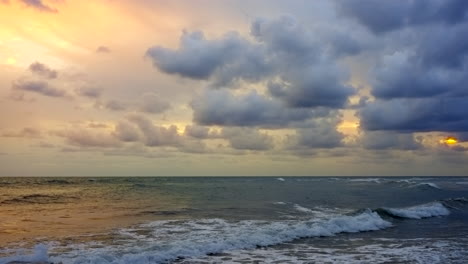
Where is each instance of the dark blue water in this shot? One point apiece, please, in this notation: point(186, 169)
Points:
point(234, 220)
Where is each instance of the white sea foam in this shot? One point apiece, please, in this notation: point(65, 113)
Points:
point(302, 209)
point(419, 211)
point(279, 203)
point(38, 254)
point(372, 180)
point(169, 240)
point(281, 179)
point(388, 251)
point(429, 184)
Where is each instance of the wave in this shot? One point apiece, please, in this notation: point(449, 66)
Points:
point(197, 238)
point(372, 180)
point(302, 209)
point(280, 179)
point(419, 211)
point(38, 199)
point(172, 240)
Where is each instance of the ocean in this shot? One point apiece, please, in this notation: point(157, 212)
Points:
point(234, 220)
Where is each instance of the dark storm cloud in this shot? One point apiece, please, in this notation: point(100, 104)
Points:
point(401, 75)
point(39, 5)
point(410, 115)
point(320, 133)
point(444, 46)
point(43, 70)
point(197, 57)
point(419, 78)
point(312, 86)
point(379, 140)
point(228, 59)
point(39, 87)
point(221, 107)
point(247, 138)
point(384, 16)
point(282, 50)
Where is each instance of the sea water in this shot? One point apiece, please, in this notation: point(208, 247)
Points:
point(234, 220)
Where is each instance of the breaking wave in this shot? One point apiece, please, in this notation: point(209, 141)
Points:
point(419, 211)
point(172, 240)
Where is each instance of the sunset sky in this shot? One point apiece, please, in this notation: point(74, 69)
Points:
point(215, 87)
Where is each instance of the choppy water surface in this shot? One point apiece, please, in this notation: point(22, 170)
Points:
point(234, 220)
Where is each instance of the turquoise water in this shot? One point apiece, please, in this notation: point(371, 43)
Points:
point(234, 220)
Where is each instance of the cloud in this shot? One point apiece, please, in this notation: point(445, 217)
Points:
point(386, 16)
point(43, 70)
point(197, 57)
point(45, 145)
point(39, 87)
point(416, 115)
point(317, 134)
point(26, 132)
point(86, 138)
point(127, 132)
point(200, 132)
point(381, 140)
point(400, 75)
point(313, 86)
point(155, 135)
point(282, 49)
point(103, 49)
point(39, 5)
point(90, 92)
point(115, 105)
point(247, 138)
point(221, 107)
point(154, 104)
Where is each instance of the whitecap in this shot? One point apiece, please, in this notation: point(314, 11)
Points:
point(419, 211)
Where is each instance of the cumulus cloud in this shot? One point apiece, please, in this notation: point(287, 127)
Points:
point(27, 132)
point(247, 138)
point(39, 87)
point(386, 16)
point(154, 104)
point(127, 132)
point(197, 57)
point(317, 134)
point(400, 75)
point(419, 115)
point(89, 138)
point(419, 76)
point(221, 107)
point(200, 132)
point(155, 135)
point(90, 92)
point(282, 49)
point(43, 70)
point(39, 5)
point(115, 105)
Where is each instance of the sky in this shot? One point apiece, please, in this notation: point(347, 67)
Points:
point(227, 88)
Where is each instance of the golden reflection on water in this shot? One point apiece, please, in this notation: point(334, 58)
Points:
point(38, 213)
